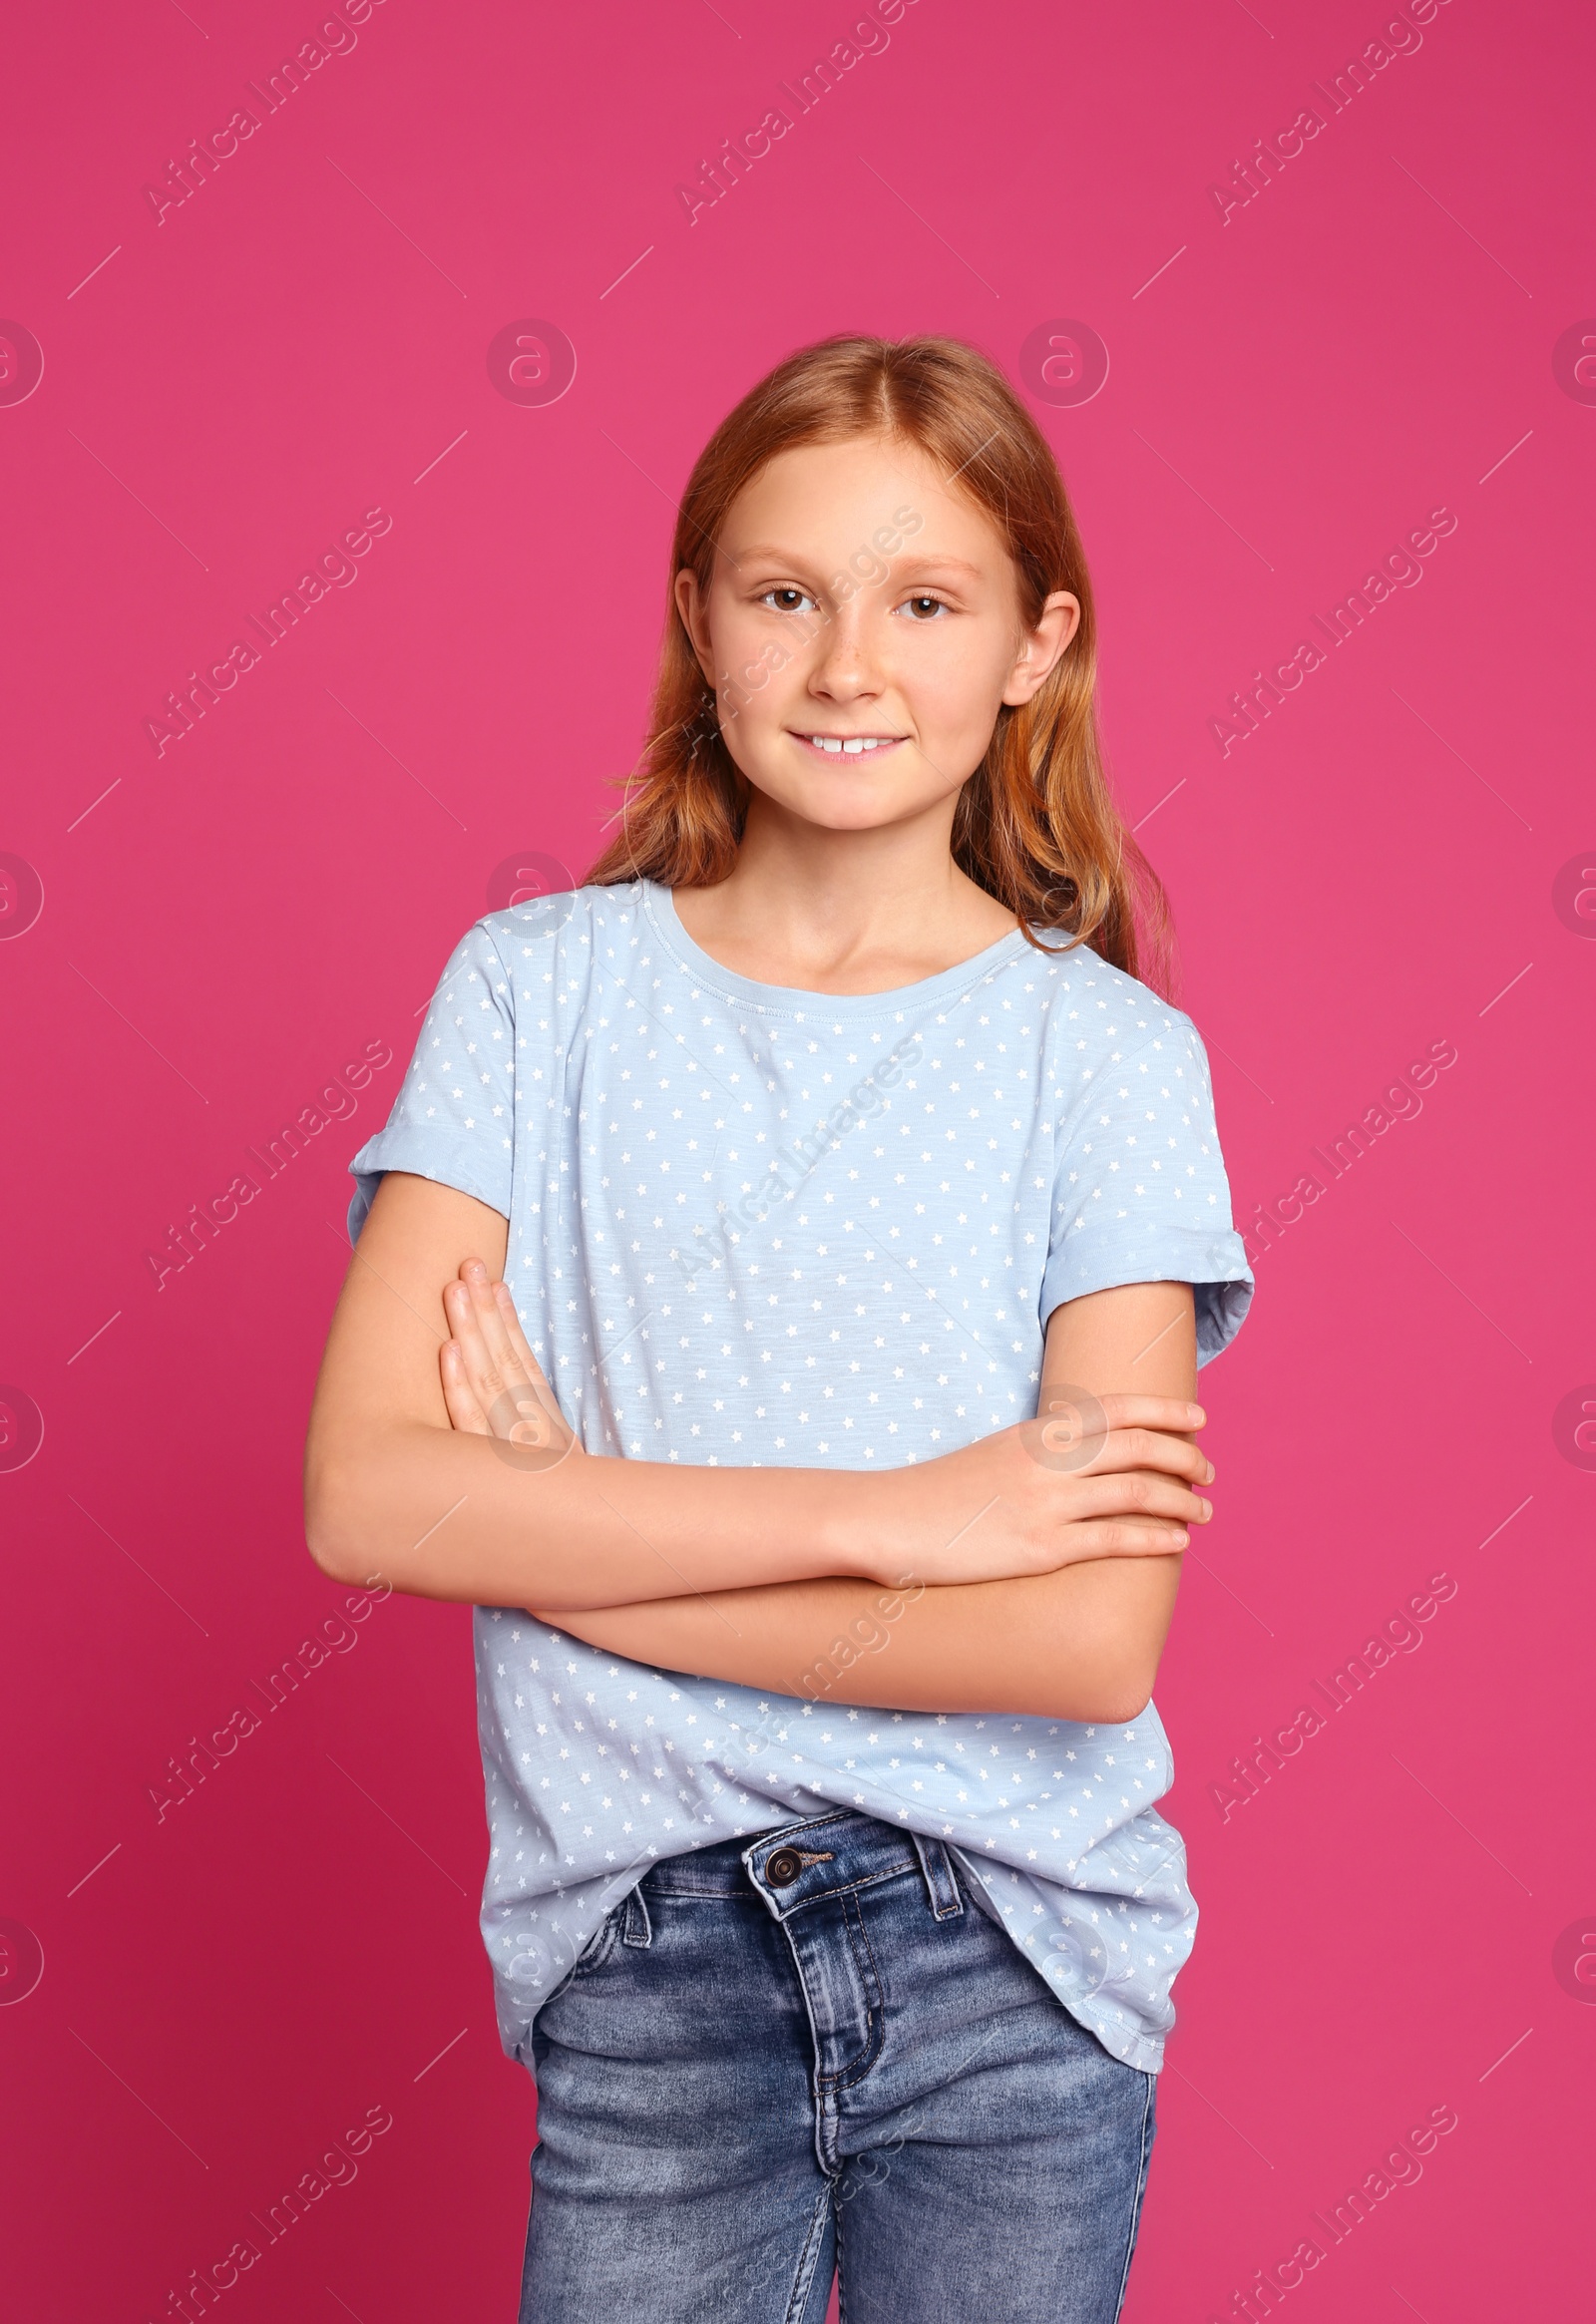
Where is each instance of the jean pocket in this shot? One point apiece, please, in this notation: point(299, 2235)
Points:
point(601, 1944)
point(594, 1954)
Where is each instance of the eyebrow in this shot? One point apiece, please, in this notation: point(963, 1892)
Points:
point(774, 554)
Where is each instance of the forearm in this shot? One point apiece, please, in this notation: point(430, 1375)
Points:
point(1081, 1643)
point(452, 1516)
point(392, 1487)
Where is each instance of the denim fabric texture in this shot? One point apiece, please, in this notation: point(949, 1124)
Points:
point(811, 2051)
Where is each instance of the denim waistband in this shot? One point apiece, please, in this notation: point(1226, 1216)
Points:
point(798, 1863)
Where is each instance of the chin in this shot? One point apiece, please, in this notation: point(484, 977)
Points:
point(846, 801)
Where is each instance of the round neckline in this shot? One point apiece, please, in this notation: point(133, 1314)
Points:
point(659, 903)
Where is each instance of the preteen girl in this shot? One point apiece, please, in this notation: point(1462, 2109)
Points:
point(778, 1303)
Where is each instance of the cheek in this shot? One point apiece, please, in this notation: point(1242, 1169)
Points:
point(731, 639)
point(763, 661)
point(953, 683)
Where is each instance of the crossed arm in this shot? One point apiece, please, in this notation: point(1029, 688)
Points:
point(1086, 1636)
point(1080, 1643)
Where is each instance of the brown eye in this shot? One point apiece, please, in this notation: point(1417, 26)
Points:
point(925, 608)
point(784, 600)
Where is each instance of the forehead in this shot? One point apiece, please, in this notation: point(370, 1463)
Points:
point(830, 500)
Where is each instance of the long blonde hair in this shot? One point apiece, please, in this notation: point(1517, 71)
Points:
point(1035, 825)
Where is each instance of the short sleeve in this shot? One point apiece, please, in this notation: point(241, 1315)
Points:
point(1139, 1188)
point(454, 1116)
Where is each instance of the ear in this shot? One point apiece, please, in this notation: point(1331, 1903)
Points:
point(1043, 648)
point(691, 606)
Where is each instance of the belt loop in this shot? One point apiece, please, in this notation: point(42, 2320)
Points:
point(941, 1885)
point(637, 1929)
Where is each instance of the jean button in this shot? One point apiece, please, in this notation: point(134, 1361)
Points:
point(783, 1867)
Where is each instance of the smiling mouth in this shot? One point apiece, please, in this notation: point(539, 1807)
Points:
point(848, 745)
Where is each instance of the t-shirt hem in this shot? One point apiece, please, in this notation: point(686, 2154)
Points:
point(1100, 1259)
point(1145, 2052)
point(434, 1154)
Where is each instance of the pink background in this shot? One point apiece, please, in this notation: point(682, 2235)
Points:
point(1391, 1925)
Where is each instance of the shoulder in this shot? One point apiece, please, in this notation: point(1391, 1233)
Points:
point(1096, 1013)
point(564, 922)
point(546, 950)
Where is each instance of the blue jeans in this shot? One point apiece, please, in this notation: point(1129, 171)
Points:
point(815, 2049)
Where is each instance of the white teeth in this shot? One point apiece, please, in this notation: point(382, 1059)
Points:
point(853, 745)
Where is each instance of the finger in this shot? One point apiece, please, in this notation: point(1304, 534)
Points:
point(1113, 1537)
point(509, 1402)
point(466, 1332)
point(1136, 1493)
point(1120, 1537)
point(1143, 1431)
point(1127, 1405)
point(465, 1413)
point(509, 1314)
point(516, 1337)
point(490, 1319)
point(498, 1403)
point(519, 1410)
point(1082, 1429)
point(558, 1430)
point(1152, 1448)
point(478, 1327)
point(1172, 1413)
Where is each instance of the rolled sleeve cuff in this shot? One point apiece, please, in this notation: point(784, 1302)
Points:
point(1099, 1258)
point(452, 1159)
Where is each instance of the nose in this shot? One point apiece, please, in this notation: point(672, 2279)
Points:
point(849, 668)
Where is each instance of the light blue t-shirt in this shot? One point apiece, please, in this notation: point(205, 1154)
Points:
point(774, 1228)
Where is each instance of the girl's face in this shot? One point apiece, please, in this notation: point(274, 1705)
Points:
point(861, 632)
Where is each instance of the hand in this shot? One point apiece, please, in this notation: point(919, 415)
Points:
point(493, 1384)
point(1045, 1493)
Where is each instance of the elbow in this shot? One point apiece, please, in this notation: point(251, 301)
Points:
point(1096, 1705)
point(332, 1529)
point(1121, 1706)
point(1127, 1685)
point(1113, 1695)
point(1108, 1640)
